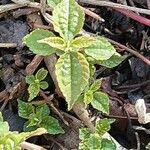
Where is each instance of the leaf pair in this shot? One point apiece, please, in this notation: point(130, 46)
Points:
point(38, 117)
point(36, 83)
point(95, 141)
point(98, 100)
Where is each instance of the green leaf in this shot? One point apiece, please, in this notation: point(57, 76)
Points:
point(94, 142)
point(84, 133)
point(43, 110)
point(25, 109)
point(30, 79)
point(88, 97)
point(31, 40)
point(51, 125)
point(28, 128)
point(81, 42)
point(56, 42)
point(33, 90)
point(53, 3)
point(72, 72)
point(41, 74)
point(101, 102)
point(113, 61)
point(96, 85)
point(68, 19)
point(4, 128)
point(34, 120)
point(108, 145)
point(43, 85)
point(101, 49)
point(103, 125)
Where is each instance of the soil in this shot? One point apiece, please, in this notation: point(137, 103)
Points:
point(124, 84)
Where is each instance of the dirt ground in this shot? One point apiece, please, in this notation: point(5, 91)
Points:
point(125, 84)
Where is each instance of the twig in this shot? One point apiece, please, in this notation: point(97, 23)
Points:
point(8, 45)
point(4, 105)
point(122, 117)
point(33, 65)
point(133, 85)
point(148, 4)
point(131, 51)
point(138, 141)
point(132, 4)
point(48, 101)
point(134, 16)
point(92, 14)
point(54, 141)
point(8, 7)
point(115, 5)
point(30, 4)
point(47, 17)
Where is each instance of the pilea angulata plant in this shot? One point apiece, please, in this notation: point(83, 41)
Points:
point(77, 53)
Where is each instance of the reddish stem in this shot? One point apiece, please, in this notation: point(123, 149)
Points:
point(134, 16)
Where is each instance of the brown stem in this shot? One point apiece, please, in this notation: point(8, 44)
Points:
point(131, 51)
point(134, 16)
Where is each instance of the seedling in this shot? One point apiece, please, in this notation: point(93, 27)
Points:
point(36, 83)
point(95, 141)
point(74, 50)
point(12, 140)
point(38, 117)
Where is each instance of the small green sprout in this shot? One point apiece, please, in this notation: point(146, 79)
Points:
point(36, 83)
point(38, 117)
point(95, 141)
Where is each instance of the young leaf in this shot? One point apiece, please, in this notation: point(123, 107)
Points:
point(30, 79)
point(102, 126)
point(53, 3)
point(96, 85)
point(81, 42)
point(68, 19)
point(41, 74)
point(101, 102)
point(43, 85)
point(94, 142)
point(108, 145)
point(31, 40)
point(25, 109)
point(43, 110)
point(84, 133)
point(113, 61)
point(28, 128)
point(72, 72)
point(34, 120)
point(4, 127)
point(101, 49)
point(33, 90)
point(56, 42)
point(88, 97)
point(51, 125)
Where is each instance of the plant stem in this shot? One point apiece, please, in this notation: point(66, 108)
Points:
point(134, 16)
